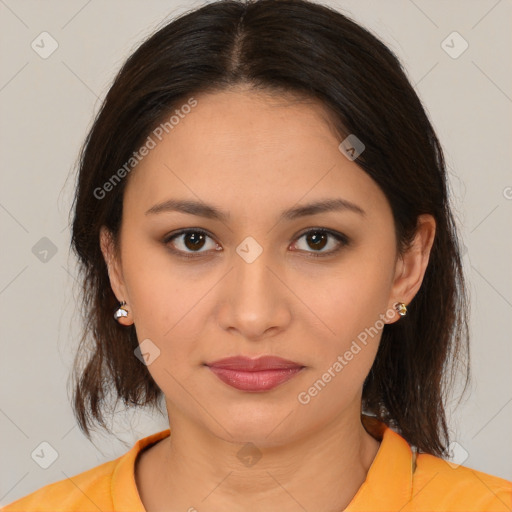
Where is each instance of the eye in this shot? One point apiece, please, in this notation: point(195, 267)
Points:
point(189, 240)
point(318, 239)
point(188, 243)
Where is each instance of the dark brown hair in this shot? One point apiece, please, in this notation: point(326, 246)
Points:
point(282, 47)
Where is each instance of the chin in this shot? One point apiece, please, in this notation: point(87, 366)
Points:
point(265, 426)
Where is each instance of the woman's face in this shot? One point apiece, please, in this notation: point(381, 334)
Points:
point(259, 281)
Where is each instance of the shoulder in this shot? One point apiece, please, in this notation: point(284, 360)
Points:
point(109, 486)
point(87, 491)
point(456, 487)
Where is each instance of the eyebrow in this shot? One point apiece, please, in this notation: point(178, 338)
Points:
point(212, 212)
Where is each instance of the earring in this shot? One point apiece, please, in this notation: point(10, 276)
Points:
point(401, 308)
point(121, 311)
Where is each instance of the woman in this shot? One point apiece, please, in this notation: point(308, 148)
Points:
point(267, 246)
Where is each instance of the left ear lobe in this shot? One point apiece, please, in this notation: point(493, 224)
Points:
point(412, 265)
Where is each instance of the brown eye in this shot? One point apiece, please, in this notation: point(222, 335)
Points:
point(193, 241)
point(318, 239)
point(190, 241)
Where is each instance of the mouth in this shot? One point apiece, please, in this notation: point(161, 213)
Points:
point(261, 374)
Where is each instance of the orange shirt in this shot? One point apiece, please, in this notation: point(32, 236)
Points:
point(393, 483)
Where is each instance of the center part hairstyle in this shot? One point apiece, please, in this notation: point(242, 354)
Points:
point(288, 49)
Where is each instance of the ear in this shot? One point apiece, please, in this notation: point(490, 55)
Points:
point(411, 266)
point(115, 273)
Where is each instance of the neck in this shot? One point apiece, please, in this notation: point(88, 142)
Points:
point(314, 472)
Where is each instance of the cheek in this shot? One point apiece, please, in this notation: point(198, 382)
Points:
point(351, 296)
point(351, 304)
point(169, 311)
point(172, 304)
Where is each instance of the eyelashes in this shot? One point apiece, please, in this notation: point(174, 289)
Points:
point(184, 232)
point(316, 236)
point(320, 235)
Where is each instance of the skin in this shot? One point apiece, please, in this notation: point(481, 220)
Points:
point(254, 156)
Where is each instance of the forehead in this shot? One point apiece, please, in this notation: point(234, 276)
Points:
point(245, 148)
point(240, 124)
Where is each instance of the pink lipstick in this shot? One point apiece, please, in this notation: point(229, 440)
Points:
point(260, 374)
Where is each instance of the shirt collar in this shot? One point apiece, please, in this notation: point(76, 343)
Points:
point(125, 495)
point(388, 484)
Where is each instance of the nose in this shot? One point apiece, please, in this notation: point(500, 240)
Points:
point(255, 302)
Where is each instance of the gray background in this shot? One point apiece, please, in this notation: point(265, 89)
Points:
point(47, 104)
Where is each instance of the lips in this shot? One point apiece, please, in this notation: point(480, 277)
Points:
point(260, 374)
point(246, 364)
